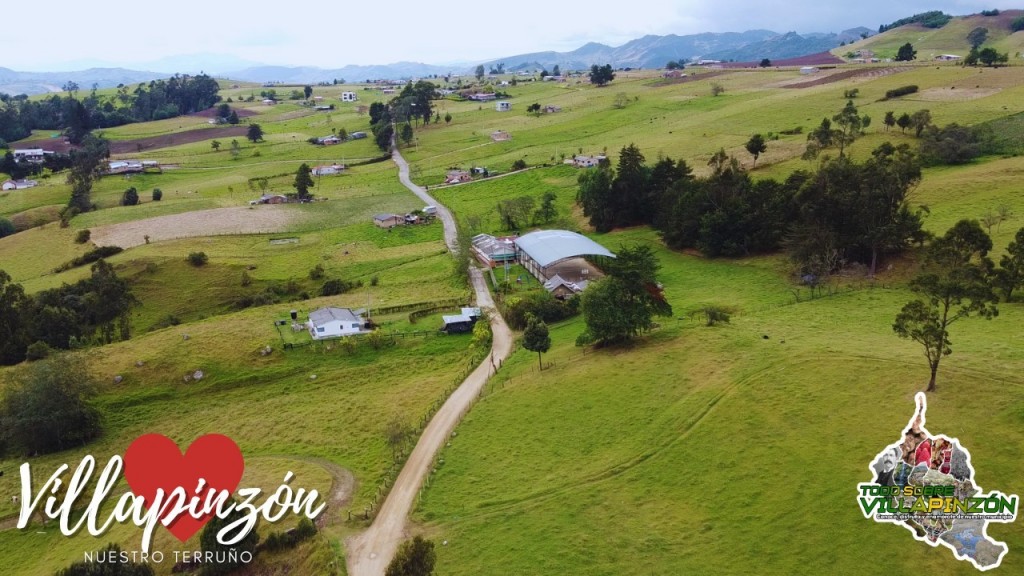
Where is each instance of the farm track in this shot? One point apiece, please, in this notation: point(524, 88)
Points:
point(369, 553)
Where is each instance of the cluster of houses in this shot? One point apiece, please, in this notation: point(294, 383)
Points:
point(386, 220)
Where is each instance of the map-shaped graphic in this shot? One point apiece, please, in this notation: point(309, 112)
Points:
point(927, 485)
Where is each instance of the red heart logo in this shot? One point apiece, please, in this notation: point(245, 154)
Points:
point(153, 461)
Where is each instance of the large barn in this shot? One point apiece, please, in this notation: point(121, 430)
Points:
point(539, 252)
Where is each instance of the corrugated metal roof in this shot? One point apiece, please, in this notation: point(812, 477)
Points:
point(325, 315)
point(548, 246)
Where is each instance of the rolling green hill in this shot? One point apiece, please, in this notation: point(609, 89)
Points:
point(950, 39)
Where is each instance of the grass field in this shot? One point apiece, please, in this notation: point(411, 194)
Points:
point(727, 450)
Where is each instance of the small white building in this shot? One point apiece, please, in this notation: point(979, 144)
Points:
point(503, 106)
point(809, 70)
point(34, 155)
point(19, 184)
point(328, 170)
point(333, 322)
point(349, 97)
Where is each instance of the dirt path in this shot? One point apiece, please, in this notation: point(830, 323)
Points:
point(369, 553)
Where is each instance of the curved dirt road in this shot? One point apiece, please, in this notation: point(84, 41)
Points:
point(369, 553)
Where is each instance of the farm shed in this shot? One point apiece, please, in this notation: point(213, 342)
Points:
point(461, 323)
point(388, 220)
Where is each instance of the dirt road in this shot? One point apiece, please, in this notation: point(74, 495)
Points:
point(369, 553)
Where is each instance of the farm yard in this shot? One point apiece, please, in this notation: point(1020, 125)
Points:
point(729, 449)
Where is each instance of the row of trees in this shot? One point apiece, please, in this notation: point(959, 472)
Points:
point(93, 310)
point(843, 211)
point(156, 100)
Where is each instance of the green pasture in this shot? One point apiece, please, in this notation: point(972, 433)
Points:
point(733, 449)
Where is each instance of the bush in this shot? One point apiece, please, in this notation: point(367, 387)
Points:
point(38, 351)
point(374, 280)
point(158, 194)
point(46, 408)
point(952, 144)
point(246, 279)
point(715, 315)
point(336, 286)
point(197, 258)
point(540, 304)
point(89, 257)
point(130, 197)
point(1017, 24)
point(6, 227)
point(317, 272)
point(519, 164)
point(83, 236)
point(901, 91)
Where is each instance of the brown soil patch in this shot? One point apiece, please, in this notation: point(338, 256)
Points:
point(215, 222)
point(175, 139)
point(954, 94)
point(859, 72)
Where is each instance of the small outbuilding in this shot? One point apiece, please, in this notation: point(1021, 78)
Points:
point(349, 97)
point(503, 106)
point(461, 323)
point(388, 220)
point(333, 322)
point(19, 184)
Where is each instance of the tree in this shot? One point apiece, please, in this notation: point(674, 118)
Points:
point(717, 89)
point(6, 227)
point(515, 213)
point(850, 125)
point(130, 197)
point(534, 109)
point(765, 63)
point(989, 57)
point(209, 543)
point(414, 558)
point(547, 211)
point(595, 196)
point(889, 120)
point(158, 194)
point(447, 118)
point(953, 285)
point(621, 100)
point(601, 75)
point(85, 163)
point(1018, 24)
point(920, 120)
point(556, 71)
point(903, 122)
point(977, 37)
point(215, 145)
point(407, 134)
point(621, 305)
point(1010, 275)
point(307, 91)
point(112, 567)
point(303, 181)
point(906, 53)
point(536, 338)
point(47, 408)
point(255, 133)
point(13, 322)
point(479, 72)
point(233, 118)
point(756, 146)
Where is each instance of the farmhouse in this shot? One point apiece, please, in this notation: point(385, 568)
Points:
point(503, 106)
point(483, 96)
point(500, 136)
point(458, 177)
point(33, 155)
point(330, 170)
point(493, 252)
point(333, 322)
point(19, 184)
point(461, 323)
point(388, 220)
point(328, 140)
point(125, 167)
point(539, 251)
point(561, 288)
point(349, 97)
point(586, 161)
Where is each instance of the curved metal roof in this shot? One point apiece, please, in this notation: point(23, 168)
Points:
point(546, 247)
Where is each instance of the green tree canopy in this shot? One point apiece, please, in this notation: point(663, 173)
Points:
point(756, 146)
point(303, 182)
point(415, 557)
point(954, 284)
point(255, 133)
point(1010, 275)
point(623, 304)
point(601, 75)
point(906, 53)
point(536, 338)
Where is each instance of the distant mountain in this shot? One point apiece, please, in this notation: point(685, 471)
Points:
point(13, 82)
point(312, 75)
point(789, 45)
point(647, 52)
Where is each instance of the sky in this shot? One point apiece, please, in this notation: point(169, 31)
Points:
point(62, 35)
